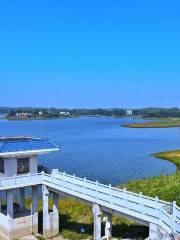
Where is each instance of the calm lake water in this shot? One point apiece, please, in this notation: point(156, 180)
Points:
point(99, 148)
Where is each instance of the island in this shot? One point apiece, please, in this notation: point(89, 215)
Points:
point(156, 123)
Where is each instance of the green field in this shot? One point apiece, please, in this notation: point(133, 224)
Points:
point(161, 123)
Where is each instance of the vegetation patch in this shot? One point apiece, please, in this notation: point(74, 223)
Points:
point(165, 187)
point(162, 123)
point(172, 156)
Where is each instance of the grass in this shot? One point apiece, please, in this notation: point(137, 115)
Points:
point(75, 215)
point(172, 156)
point(161, 123)
point(165, 187)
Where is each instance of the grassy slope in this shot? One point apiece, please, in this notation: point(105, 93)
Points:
point(162, 123)
point(165, 187)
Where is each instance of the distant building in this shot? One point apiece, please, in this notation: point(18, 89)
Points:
point(64, 113)
point(40, 113)
point(23, 114)
point(129, 112)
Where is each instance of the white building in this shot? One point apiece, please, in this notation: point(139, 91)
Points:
point(64, 113)
point(129, 112)
point(18, 157)
point(23, 114)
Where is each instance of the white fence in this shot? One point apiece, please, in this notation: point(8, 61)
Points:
point(165, 214)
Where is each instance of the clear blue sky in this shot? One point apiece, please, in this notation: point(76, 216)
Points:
point(90, 53)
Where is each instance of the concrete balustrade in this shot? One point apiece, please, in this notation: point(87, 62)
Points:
point(163, 217)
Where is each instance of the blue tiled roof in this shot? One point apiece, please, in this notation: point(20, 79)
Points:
point(15, 145)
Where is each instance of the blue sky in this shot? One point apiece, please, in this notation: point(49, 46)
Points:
point(89, 53)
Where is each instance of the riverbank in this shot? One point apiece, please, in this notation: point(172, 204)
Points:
point(161, 123)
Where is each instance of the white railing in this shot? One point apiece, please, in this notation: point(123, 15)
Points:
point(165, 214)
point(20, 181)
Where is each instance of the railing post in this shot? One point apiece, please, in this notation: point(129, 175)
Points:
point(110, 194)
point(14, 179)
point(141, 202)
point(84, 183)
point(96, 190)
point(29, 176)
point(125, 198)
point(64, 173)
point(157, 208)
point(73, 185)
point(174, 216)
point(42, 175)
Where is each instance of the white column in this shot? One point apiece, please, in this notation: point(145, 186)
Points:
point(154, 232)
point(46, 217)
point(21, 197)
point(10, 203)
point(10, 167)
point(108, 225)
point(35, 209)
point(55, 213)
point(97, 221)
point(33, 165)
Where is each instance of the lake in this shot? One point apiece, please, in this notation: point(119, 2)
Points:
point(99, 148)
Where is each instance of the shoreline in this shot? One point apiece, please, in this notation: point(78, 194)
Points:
point(171, 156)
point(166, 187)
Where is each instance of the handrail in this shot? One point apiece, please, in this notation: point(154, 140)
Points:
point(137, 205)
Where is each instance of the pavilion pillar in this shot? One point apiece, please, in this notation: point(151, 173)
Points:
point(55, 214)
point(46, 217)
point(97, 221)
point(9, 199)
point(154, 232)
point(108, 225)
point(35, 209)
point(21, 197)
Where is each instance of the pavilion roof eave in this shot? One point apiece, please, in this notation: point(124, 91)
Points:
point(27, 153)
